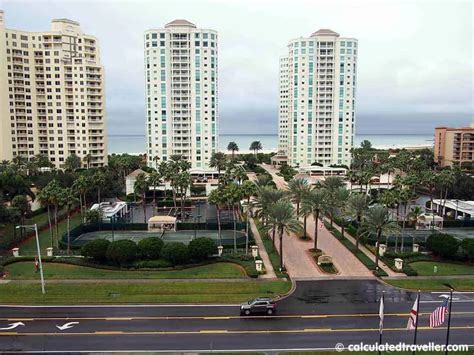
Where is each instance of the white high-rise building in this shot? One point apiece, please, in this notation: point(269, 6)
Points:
point(52, 98)
point(317, 99)
point(181, 93)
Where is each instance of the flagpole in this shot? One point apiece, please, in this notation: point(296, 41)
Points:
point(449, 320)
point(381, 321)
point(416, 318)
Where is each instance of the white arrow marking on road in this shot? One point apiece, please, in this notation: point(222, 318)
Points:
point(67, 325)
point(13, 326)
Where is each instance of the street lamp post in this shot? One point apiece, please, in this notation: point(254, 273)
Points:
point(35, 228)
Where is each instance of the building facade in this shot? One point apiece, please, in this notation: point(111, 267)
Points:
point(318, 80)
point(52, 98)
point(454, 145)
point(181, 93)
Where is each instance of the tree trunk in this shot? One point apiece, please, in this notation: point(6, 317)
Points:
point(50, 227)
point(235, 228)
point(80, 203)
point(281, 250)
point(98, 195)
point(357, 231)
point(219, 224)
point(56, 223)
point(377, 247)
point(85, 207)
point(304, 226)
point(343, 228)
point(403, 226)
point(144, 208)
point(298, 208)
point(396, 237)
point(68, 233)
point(273, 236)
point(154, 199)
point(316, 220)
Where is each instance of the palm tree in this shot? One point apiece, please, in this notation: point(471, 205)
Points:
point(283, 219)
point(332, 183)
point(446, 180)
point(81, 186)
point(377, 221)
point(69, 199)
point(87, 159)
point(297, 189)
point(218, 160)
point(154, 180)
point(141, 186)
point(335, 200)
point(183, 182)
point(215, 197)
point(255, 146)
point(233, 147)
point(99, 181)
point(248, 189)
point(314, 203)
point(264, 180)
point(232, 194)
point(357, 205)
point(44, 198)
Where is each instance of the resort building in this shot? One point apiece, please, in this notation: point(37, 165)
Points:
point(454, 145)
point(181, 93)
point(318, 80)
point(52, 98)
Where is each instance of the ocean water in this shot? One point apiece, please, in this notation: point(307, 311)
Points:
point(135, 144)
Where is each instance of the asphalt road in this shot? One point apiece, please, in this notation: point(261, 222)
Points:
point(317, 315)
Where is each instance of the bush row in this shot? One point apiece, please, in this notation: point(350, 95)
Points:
point(148, 251)
point(448, 247)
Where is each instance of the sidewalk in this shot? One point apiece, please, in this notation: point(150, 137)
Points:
point(270, 273)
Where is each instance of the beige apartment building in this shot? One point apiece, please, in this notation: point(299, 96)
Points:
point(454, 145)
point(318, 79)
point(181, 92)
point(52, 98)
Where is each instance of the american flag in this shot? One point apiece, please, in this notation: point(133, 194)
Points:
point(437, 317)
point(413, 315)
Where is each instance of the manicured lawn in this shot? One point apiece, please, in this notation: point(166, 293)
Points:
point(57, 271)
point(426, 268)
point(159, 292)
point(29, 247)
point(434, 284)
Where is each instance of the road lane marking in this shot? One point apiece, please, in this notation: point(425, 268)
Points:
point(304, 316)
point(230, 332)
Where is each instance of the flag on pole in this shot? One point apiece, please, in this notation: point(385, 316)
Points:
point(413, 315)
point(437, 317)
point(381, 314)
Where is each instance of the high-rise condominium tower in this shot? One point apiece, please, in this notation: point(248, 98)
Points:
point(317, 99)
point(181, 93)
point(52, 98)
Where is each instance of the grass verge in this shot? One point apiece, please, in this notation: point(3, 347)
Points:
point(426, 268)
point(160, 292)
point(61, 271)
point(434, 284)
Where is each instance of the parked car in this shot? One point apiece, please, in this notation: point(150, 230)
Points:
point(261, 305)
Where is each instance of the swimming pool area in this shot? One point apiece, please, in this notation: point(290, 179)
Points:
point(184, 236)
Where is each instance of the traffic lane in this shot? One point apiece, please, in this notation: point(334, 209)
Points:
point(219, 341)
point(264, 323)
point(117, 310)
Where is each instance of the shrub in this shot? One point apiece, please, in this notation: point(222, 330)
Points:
point(443, 245)
point(467, 246)
point(122, 252)
point(175, 253)
point(150, 248)
point(201, 248)
point(153, 264)
point(96, 249)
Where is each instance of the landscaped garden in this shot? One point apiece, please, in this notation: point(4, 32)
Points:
point(432, 268)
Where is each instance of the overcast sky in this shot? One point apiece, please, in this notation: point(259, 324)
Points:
point(415, 57)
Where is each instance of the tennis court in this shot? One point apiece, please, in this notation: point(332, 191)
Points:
point(169, 236)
